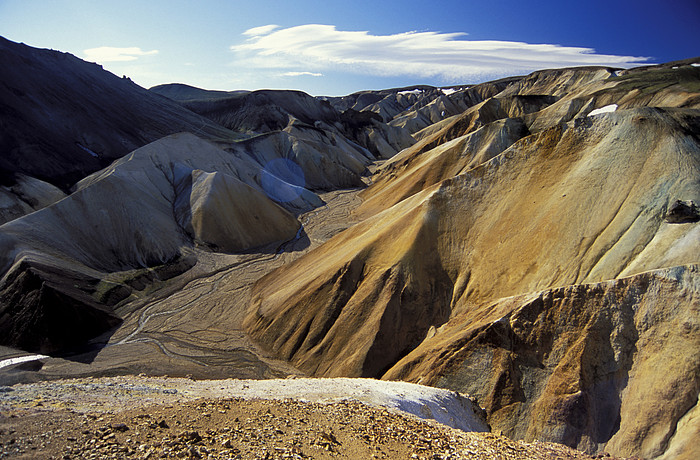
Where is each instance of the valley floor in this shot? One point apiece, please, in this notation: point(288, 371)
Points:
point(191, 325)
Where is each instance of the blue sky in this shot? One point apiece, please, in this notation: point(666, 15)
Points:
point(335, 48)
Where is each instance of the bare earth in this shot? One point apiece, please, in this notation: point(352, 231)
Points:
point(132, 417)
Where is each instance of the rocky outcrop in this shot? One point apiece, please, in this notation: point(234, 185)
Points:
point(682, 212)
point(46, 308)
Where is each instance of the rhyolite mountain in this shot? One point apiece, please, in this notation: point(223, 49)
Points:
point(532, 193)
point(532, 241)
point(256, 112)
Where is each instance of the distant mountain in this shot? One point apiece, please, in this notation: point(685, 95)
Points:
point(264, 111)
point(183, 93)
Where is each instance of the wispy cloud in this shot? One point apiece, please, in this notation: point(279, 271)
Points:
point(262, 30)
point(447, 56)
point(112, 54)
point(302, 74)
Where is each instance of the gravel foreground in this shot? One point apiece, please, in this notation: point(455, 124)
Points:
point(147, 418)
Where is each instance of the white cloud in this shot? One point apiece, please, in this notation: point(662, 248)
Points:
point(112, 54)
point(262, 30)
point(302, 74)
point(421, 54)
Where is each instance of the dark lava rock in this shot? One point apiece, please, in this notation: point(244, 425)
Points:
point(44, 311)
point(682, 212)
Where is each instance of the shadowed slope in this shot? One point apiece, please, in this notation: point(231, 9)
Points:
point(64, 118)
point(266, 111)
point(26, 195)
point(147, 209)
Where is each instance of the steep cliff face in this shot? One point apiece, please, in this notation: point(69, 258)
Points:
point(48, 309)
point(605, 366)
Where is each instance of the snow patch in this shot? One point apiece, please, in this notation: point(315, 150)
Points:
point(444, 406)
point(448, 91)
point(695, 64)
point(88, 151)
point(606, 109)
point(21, 359)
point(415, 92)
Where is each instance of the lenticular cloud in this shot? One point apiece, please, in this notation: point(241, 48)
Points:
point(319, 48)
point(113, 54)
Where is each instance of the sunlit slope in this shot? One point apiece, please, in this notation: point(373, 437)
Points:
point(564, 206)
point(532, 104)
